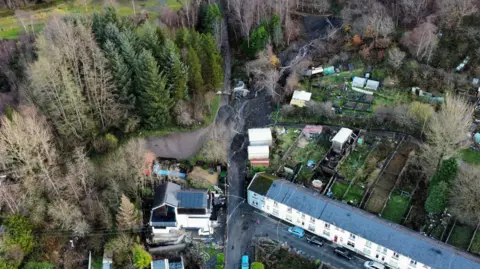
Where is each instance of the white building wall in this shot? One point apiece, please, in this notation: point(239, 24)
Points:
point(332, 233)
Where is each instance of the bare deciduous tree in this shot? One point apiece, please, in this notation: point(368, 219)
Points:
point(27, 150)
point(67, 216)
point(396, 57)
point(382, 24)
point(447, 132)
point(323, 109)
point(79, 175)
point(452, 11)
point(422, 41)
point(465, 194)
point(422, 112)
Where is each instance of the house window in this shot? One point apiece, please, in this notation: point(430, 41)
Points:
point(413, 263)
point(327, 233)
point(379, 248)
point(289, 209)
point(384, 251)
point(288, 217)
point(395, 255)
point(312, 219)
point(275, 212)
point(311, 228)
point(268, 208)
point(254, 194)
point(327, 226)
point(367, 251)
point(368, 244)
point(350, 243)
point(352, 237)
point(303, 216)
point(275, 204)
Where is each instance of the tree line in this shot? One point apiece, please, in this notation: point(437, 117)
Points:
point(112, 74)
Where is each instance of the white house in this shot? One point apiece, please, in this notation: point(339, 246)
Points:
point(175, 210)
point(260, 137)
point(362, 232)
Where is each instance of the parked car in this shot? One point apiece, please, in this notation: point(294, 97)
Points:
point(296, 231)
point(245, 263)
point(374, 265)
point(315, 240)
point(343, 252)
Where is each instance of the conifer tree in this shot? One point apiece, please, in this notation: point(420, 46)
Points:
point(154, 97)
point(176, 71)
point(127, 216)
point(276, 31)
point(195, 80)
point(148, 38)
point(212, 72)
point(122, 76)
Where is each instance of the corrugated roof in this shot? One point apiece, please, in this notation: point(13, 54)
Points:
point(260, 134)
point(358, 82)
point(390, 235)
point(192, 199)
point(302, 95)
point(372, 84)
point(313, 129)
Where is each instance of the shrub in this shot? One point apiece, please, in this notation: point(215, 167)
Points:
point(39, 265)
point(141, 258)
point(19, 232)
point(220, 258)
point(446, 173)
point(257, 265)
point(437, 198)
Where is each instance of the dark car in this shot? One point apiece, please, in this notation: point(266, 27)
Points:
point(343, 252)
point(314, 240)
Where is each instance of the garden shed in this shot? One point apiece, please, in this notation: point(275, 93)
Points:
point(311, 131)
point(372, 84)
point(260, 137)
point(258, 152)
point(358, 82)
point(341, 138)
point(300, 98)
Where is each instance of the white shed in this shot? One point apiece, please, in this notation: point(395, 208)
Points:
point(260, 137)
point(300, 98)
point(341, 138)
point(372, 84)
point(358, 82)
point(258, 152)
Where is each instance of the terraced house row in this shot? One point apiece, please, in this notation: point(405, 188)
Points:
point(377, 239)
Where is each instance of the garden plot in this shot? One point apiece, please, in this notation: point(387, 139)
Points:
point(283, 141)
point(397, 207)
point(354, 162)
point(460, 236)
point(352, 195)
point(306, 150)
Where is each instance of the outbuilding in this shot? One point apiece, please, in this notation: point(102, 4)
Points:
point(260, 137)
point(358, 82)
point(372, 85)
point(258, 152)
point(341, 138)
point(300, 98)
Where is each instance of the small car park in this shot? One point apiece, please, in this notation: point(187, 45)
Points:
point(296, 231)
point(343, 252)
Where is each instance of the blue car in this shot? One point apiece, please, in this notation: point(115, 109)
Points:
point(245, 264)
point(297, 231)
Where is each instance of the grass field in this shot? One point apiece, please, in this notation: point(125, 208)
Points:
point(471, 156)
point(461, 236)
point(10, 26)
point(339, 189)
point(396, 208)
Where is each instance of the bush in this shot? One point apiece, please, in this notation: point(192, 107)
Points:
point(19, 232)
point(446, 173)
point(437, 198)
point(220, 258)
point(39, 265)
point(257, 265)
point(141, 258)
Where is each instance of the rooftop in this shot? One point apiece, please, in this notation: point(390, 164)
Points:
point(398, 238)
point(342, 135)
point(302, 95)
point(261, 183)
point(173, 195)
point(259, 134)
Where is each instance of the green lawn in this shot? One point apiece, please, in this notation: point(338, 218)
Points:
point(476, 244)
point(461, 236)
point(396, 208)
point(339, 189)
point(284, 141)
point(10, 26)
point(313, 151)
point(355, 194)
point(354, 162)
point(471, 156)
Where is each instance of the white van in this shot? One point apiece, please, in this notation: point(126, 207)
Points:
point(374, 265)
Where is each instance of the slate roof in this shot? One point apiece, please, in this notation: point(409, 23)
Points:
point(159, 264)
point(172, 194)
point(390, 235)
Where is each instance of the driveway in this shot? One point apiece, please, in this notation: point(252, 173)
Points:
point(248, 229)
